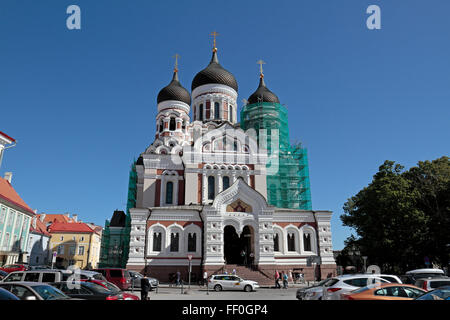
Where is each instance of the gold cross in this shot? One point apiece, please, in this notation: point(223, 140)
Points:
point(176, 56)
point(214, 34)
point(260, 62)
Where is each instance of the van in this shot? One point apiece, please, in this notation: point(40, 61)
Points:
point(50, 275)
point(120, 277)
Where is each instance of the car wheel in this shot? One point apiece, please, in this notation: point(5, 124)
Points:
point(248, 288)
point(217, 287)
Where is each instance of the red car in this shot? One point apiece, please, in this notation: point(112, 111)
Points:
point(120, 277)
point(113, 288)
point(13, 267)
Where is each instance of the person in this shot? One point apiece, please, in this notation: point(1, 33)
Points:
point(205, 278)
point(225, 272)
point(178, 277)
point(329, 275)
point(145, 287)
point(285, 280)
point(234, 272)
point(277, 280)
point(252, 255)
point(244, 261)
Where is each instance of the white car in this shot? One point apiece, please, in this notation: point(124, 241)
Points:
point(332, 290)
point(313, 292)
point(221, 282)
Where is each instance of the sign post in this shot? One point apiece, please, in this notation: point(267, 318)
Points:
point(190, 269)
point(53, 259)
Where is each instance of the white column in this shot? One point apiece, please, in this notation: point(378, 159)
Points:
point(219, 183)
point(233, 177)
point(204, 188)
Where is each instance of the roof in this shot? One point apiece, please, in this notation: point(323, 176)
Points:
point(426, 270)
point(174, 91)
point(263, 94)
point(118, 219)
point(7, 137)
point(74, 227)
point(41, 228)
point(8, 193)
point(56, 218)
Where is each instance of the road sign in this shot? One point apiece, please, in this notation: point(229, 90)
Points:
point(313, 259)
point(190, 257)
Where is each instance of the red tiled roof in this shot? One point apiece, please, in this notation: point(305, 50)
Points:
point(7, 137)
point(57, 218)
point(40, 227)
point(8, 193)
point(70, 227)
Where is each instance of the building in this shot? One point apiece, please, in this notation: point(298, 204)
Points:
point(115, 241)
point(75, 243)
point(227, 195)
point(38, 243)
point(15, 219)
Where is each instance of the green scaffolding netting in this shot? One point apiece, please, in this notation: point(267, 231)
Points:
point(287, 167)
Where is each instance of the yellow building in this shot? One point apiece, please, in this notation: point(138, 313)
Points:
point(75, 243)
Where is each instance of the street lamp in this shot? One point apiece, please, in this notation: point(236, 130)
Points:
point(365, 260)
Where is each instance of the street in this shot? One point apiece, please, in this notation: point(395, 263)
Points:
point(200, 293)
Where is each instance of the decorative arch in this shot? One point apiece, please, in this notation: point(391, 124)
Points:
point(192, 229)
point(311, 232)
point(151, 245)
point(277, 230)
point(290, 230)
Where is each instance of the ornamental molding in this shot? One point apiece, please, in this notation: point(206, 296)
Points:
point(212, 89)
point(173, 104)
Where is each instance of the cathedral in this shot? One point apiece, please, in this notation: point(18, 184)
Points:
point(220, 194)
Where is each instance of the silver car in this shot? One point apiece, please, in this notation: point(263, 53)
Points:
point(313, 292)
point(231, 282)
point(136, 280)
point(34, 291)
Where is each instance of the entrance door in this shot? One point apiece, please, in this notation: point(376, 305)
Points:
point(236, 245)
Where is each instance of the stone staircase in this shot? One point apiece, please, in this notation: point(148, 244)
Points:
point(248, 274)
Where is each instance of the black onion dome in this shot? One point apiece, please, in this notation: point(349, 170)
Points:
point(174, 91)
point(214, 73)
point(263, 94)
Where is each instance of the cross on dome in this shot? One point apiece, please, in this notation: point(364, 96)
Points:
point(214, 34)
point(260, 62)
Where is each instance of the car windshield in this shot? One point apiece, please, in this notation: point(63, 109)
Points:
point(362, 289)
point(50, 293)
point(96, 287)
point(112, 287)
point(98, 276)
point(321, 283)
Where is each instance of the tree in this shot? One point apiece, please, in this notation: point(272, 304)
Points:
point(403, 216)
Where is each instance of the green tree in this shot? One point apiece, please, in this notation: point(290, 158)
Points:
point(402, 216)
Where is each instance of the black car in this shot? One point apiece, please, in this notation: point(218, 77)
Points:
point(87, 290)
point(6, 295)
point(3, 274)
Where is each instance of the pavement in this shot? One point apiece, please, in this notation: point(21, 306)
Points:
point(196, 292)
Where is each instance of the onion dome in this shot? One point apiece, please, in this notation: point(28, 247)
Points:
point(263, 94)
point(174, 91)
point(214, 73)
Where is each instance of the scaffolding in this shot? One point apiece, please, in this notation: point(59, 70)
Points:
point(288, 183)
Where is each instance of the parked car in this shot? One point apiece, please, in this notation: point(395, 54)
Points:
point(3, 274)
point(231, 282)
point(87, 290)
point(6, 295)
point(413, 275)
point(429, 284)
point(113, 288)
point(332, 290)
point(46, 276)
point(312, 292)
point(34, 291)
point(136, 280)
point(442, 293)
point(385, 291)
point(13, 267)
point(120, 277)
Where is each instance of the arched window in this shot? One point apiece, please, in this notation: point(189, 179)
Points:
point(291, 242)
point(161, 125)
point(225, 182)
point(183, 126)
point(172, 124)
point(192, 242)
point(157, 241)
point(216, 110)
point(174, 241)
point(235, 145)
point(211, 187)
point(169, 192)
point(307, 241)
point(201, 112)
point(230, 112)
point(276, 243)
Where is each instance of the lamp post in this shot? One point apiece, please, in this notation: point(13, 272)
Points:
point(365, 260)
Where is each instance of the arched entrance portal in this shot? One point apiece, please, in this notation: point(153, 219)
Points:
point(234, 245)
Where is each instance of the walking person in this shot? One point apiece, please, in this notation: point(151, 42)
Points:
point(244, 260)
point(178, 278)
point(233, 272)
point(205, 278)
point(145, 287)
point(285, 280)
point(277, 280)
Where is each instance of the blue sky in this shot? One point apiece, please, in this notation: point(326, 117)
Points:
point(82, 103)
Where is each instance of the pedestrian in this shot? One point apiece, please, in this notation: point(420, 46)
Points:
point(205, 278)
point(252, 256)
point(285, 280)
point(244, 261)
point(225, 272)
point(277, 280)
point(145, 287)
point(233, 272)
point(178, 278)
